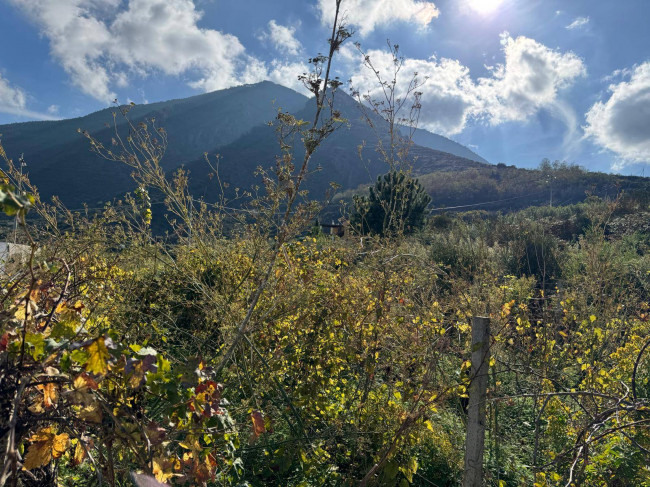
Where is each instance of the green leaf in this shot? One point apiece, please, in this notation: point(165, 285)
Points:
point(13, 203)
point(80, 356)
point(37, 344)
point(65, 328)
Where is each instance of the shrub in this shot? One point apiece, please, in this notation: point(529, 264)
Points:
point(396, 204)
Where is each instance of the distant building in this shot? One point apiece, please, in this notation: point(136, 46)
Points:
point(337, 229)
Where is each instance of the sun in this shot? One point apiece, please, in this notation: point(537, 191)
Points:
point(484, 6)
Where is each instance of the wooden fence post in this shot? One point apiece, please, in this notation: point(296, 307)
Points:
point(475, 440)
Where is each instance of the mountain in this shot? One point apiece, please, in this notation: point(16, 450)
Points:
point(60, 163)
point(438, 142)
point(231, 122)
point(338, 158)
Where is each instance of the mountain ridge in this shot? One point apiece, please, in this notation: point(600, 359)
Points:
point(60, 162)
point(233, 123)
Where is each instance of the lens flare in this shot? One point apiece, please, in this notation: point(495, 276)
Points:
point(484, 6)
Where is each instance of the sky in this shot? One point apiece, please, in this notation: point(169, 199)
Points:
point(515, 80)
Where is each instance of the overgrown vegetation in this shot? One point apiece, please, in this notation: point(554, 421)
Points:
point(236, 350)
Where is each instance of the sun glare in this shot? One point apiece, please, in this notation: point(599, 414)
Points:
point(484, 6)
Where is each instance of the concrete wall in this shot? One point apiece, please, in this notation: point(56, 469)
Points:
point(12, 256)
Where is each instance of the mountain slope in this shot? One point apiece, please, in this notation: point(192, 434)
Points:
point(438, 142)
point(234, 124)
point(231, 122)
point(60, 162)
point(338, 157)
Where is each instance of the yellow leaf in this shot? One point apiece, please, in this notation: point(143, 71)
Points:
point(592, 318)
point(79, 454)
point(137, 376)
point(21, 313)
point(60, 445)
point(80, 393)
point(49, 391)
point(46, 445)
point(38, 454)
point(98, 357)
point(91, 413)
point(162, 469)
point(37, 406)
point(84, 382)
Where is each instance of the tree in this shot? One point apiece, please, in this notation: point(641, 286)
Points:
point(394, 205)
point(392, 109)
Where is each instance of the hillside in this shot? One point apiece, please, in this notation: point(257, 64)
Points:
point(233, 123)
point(230, 122)
point(438, 142)
point(56, 153)
point(508, 188)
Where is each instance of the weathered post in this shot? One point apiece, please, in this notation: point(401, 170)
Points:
point(475, 440)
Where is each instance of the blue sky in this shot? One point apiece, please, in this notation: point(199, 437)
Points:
point(516, 80)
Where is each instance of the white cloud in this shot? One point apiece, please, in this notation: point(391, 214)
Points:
point(449, 94)
point(53, 109)
point(283, 38)
point(366, 15)
point(618, 74)
point(283, 73)
point(13, 100)
point(287, 74)
point(621, 123)
point(530, 80)
point(11, 97)
point(102, 43)
point(578, 23)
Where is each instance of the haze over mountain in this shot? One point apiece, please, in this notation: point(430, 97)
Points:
point(231, 122)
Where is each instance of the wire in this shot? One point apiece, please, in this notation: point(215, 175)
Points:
point(244, 210)
point(486, 203)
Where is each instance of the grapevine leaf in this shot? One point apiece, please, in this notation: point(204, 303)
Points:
point(49, 391)
point(258, 423)
point(46, 446)
point(97, 357)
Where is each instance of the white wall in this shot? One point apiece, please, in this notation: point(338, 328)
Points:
point(11, 253)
